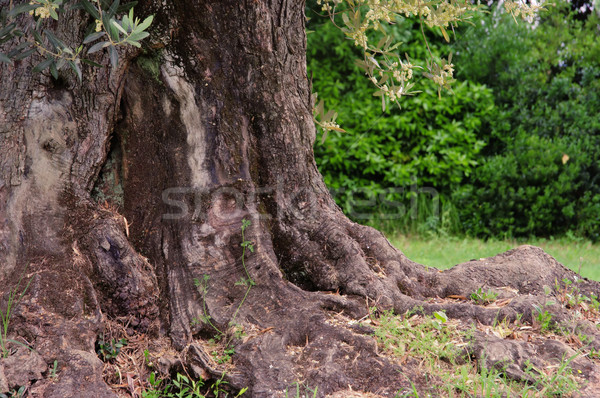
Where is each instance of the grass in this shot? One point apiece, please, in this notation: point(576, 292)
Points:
point(435, 344)
point(444, 252)
point(299, 390)
point(14, 298)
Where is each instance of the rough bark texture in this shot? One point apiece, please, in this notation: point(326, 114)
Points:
point(118, 193)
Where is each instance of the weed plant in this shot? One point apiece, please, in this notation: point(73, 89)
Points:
point(14, 299)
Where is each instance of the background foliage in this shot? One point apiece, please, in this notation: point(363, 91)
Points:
point(539, 174)
point(494, 150)
point(430, 142)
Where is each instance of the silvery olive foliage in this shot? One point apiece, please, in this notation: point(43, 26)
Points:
point(111, 24)
point(391, 71)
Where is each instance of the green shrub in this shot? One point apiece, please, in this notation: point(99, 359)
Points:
point(546, 86)
point(532, 189)
point(386, 159)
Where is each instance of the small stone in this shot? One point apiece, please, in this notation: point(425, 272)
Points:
point(105, 245)
point(22, 367)
point(3, 382)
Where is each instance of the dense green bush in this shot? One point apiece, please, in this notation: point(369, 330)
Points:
point(534, 188)
point(546, 86)
point(516, 148)
point(428, 146)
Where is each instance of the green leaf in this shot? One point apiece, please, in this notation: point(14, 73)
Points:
point(24, 54)
point(89, 62)
point(54, 70)
point(76, 69)
point(362, 64)
point(126, 7)
point(127, 23)
point(92, 37)
point(133, 42)
point(112, 31)
point(114, 56)
point(138, 36)
point(144, 25)
point(346, 20)
point(320, 109)
point(55, 41)
point(12, 53)
point(90, 8)
point(7, 29)
point(445, 34)
point(20, 9)
point(37, 36)
point(324, 136)
point(374, 61)
point(118, 26)
point(329, 115)
point(113, 8)
point(60, 63)
point(53, 14)
point(441, 316)
point(43, 65)
point(98, 46)
point(4, 58)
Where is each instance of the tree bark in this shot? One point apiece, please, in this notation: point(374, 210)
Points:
point(123, 199)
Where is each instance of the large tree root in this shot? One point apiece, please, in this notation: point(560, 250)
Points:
point(352, 263)
point(300, 317)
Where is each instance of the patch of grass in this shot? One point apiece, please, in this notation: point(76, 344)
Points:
point(555, 384)
point(53, 371)
point(14, 298)
point(543, 318)
point(416, 337)
point(483, 297)
point(444, 252)
point(181, 386)
point(571, 297)
point(15, 393)
point(108, 350)
point(436, 349)
point(300, 390)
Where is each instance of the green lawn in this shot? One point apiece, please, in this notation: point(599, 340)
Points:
point(445, 252)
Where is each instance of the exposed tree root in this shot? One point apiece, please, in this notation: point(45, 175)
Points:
point(294, 328)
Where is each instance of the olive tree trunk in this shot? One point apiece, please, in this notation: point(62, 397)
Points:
point(123, 198)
